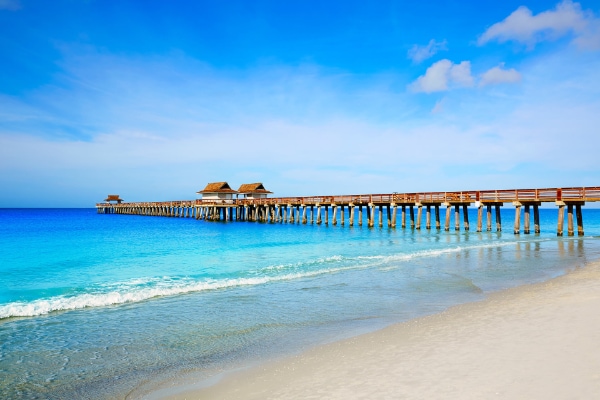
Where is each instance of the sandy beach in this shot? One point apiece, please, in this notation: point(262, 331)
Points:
point(539, 341)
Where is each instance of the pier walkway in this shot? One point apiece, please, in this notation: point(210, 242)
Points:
point(316, 209)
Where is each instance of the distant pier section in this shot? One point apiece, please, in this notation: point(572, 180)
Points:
point(250, 202)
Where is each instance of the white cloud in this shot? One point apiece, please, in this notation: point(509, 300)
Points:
point(443, 75)
point(498, 75)
point(11, 5)
point(461, 74)
point(524, 27)
point(420, 53)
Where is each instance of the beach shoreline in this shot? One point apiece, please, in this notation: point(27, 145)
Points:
point(532, 341)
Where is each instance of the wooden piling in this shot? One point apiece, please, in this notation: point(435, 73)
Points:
point(466, 216)
point(517, 228)
point(428, 217)
point(561, 218)
point(579, 220)
point(570, 230)
point(403, 216)
point(526, 221)
point(360, 216)
point(457, 217)
point(498, 219)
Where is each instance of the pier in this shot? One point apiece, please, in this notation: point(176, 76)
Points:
point(349, 209)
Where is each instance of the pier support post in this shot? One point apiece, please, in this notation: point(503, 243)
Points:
point(304, 219)
point(579, 220)
point(428, 218)
point(517, 229)
point(419, 216)
point(342, 215)
point(570, 229)
point(437, 217)
point(536, 218)
point(466, 216)
point(334, 217)
point(389, 215)
point(394, 213)
point(479, 217)
point(447, 220)
point(380, 216)
point(351, 214)
point(370, 215)
point(498, 219)
point(318, 215)
point(403, 216)
point(360, 216)
point(527, 220)
point(561, 218)
point(326, 215)
point(457, 217)
point(412, 217)
point(488, 217)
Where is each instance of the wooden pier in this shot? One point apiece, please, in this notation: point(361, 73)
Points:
point(316, 209)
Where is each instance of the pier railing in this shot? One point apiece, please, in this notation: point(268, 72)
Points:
point(583, 194)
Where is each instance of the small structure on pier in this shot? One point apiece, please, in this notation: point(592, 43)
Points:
point(113, 197)
point(217, 191)
point(253, 191)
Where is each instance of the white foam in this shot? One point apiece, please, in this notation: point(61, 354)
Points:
point(63, 303)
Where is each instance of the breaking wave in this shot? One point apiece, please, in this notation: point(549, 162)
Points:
point(141, 289)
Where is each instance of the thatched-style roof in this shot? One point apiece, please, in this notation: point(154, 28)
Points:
point(217, 187)
point(252, 188)
point(113, 197)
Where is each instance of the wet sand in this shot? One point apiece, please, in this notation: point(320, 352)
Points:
point(538, 341)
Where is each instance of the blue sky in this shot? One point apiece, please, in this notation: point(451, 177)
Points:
point(152, 100)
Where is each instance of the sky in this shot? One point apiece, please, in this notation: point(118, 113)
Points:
point(152, 100)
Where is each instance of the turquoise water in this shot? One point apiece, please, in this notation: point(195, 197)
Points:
point(99, 306)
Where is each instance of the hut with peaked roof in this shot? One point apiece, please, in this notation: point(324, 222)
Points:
point(113, 197)
point(253, 191)
point(217, 191)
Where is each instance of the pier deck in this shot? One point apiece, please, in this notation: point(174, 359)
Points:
point(297, 209)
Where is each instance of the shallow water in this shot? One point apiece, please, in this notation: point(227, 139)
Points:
point(98, 306)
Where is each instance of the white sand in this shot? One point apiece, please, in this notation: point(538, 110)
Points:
point(534, 342)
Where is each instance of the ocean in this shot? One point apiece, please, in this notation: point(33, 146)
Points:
point(115, 306)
